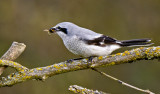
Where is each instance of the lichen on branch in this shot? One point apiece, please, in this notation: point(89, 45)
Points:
point(82, 90)
point(41, 73)
point(12, 53)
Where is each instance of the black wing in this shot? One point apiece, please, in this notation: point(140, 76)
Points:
point(101, 41)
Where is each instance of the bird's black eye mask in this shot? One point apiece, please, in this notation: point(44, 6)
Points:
point(52, 30)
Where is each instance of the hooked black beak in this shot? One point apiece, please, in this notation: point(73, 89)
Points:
point(52, 30)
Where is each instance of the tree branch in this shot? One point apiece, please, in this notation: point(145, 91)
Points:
point(42, 73)
point(13, 52)
point(123, 83)
point(81, 90)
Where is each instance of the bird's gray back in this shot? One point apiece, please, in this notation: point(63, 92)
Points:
point(83, 33)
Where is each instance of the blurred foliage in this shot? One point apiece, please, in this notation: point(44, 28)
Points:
point(25, 20)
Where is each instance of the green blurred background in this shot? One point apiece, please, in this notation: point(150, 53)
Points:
point(24, 21)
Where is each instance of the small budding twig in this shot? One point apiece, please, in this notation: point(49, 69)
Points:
point(121, 82)
point(81, 90)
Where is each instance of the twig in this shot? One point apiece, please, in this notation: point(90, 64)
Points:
point(121, 82)
point(42, 73)
point(13, 52)
point(81, 90)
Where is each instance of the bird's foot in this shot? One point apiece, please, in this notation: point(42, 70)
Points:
point(71, 60)
point(90, 59)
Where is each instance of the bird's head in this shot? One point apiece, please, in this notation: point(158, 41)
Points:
point(63, 29)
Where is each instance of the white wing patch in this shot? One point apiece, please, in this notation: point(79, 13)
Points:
point(102, 42)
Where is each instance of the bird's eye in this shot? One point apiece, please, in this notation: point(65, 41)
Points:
point(59, 27)
point(64, 30)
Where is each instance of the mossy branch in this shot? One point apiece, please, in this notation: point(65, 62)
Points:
point(12, 53)
point(42, 73)
point(82, 90)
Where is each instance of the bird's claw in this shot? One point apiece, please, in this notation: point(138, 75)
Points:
point(90, 59)
point(71, 60)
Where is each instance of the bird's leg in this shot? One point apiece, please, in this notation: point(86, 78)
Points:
point(71, 60)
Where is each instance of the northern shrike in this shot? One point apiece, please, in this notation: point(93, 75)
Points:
point(86, 43)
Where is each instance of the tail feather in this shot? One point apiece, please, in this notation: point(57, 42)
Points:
point(135, 42)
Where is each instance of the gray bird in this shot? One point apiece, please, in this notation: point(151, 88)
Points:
point(86, 43)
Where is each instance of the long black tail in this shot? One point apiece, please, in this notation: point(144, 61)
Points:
point(135, 42)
